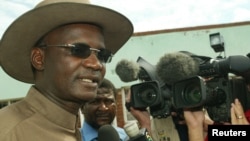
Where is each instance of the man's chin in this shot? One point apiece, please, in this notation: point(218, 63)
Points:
point(103, 122)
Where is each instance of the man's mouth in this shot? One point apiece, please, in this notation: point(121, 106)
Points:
point(87, 80)
point(102, 116)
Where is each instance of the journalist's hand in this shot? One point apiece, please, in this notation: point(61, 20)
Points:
point(237, 114)
point(142, 116)
point(194, 121)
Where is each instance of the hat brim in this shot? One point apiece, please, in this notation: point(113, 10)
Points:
point(24, 32)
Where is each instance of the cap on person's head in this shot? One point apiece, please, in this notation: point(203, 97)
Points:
point(26, 30)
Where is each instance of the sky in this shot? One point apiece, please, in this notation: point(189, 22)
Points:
point(148, 15)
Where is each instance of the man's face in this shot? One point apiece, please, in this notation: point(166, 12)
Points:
point(101, 110)
point(68, 78)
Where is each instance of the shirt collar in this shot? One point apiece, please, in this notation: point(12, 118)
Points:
point(88, 132)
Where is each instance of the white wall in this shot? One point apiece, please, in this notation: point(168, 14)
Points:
point(152, 45)
point(196, 40)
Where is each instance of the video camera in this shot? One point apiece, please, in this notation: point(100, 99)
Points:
point(151, 92)
point(213, 87)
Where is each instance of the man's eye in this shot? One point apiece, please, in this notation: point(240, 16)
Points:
point(95, 102)
point(109, 101)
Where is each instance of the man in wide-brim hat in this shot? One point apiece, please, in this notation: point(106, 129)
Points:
point(61, 47)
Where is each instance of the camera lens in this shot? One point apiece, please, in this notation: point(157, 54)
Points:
point(192, 93)
point(148, 95)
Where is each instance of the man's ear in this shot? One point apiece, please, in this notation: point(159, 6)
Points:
point(37, 58)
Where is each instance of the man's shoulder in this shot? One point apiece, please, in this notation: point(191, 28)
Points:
point(13, 115)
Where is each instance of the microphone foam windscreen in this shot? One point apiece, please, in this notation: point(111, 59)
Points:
point(108, 133)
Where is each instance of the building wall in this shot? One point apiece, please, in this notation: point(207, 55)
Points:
point(120, 114)
point(154, 44)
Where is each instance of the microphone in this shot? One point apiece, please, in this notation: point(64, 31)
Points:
point(108, 133)
point(173, 67)
point(127, 70)
point(136, 134)
point(132, 129)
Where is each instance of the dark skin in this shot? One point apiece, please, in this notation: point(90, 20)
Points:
point(67, 80)
point(101, 110)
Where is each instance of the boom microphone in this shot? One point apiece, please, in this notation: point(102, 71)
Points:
point(173, 67)
point(108, 133)
point(127, 70)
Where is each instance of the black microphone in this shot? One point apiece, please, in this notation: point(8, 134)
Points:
point(173, 67)
point(108, 133)
point(127, 70)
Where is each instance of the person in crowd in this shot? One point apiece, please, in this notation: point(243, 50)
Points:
point(101, 111)
point(61, 48)
point(197, 120)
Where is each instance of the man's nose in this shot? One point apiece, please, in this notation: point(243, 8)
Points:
point(93, 62)
point(103, 106)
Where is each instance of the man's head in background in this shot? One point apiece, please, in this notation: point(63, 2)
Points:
point(102, 109)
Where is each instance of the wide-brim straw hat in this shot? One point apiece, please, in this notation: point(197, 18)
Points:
point(25, 31)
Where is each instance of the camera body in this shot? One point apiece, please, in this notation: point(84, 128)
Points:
point(151, 92)
point(145, 94)
point(214, 88)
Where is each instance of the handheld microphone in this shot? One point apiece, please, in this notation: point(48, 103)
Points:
point(173, 67)
point(132, 129)
point(127, 70)
point(136, 134)
point(108, 133)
